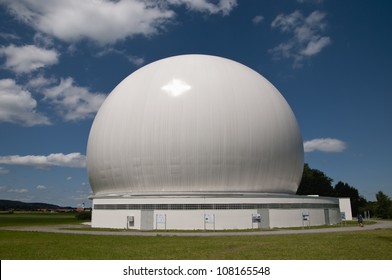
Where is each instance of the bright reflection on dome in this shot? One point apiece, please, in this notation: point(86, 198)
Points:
point(176, 87)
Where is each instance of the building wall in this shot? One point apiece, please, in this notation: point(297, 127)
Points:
point(277, 216)
point(210, 219)
point(345, 206)
point(182, 220)
point(334, 217)
point(295, 218)
point(115, 219)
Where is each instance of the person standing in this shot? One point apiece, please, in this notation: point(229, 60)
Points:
point(360, 220)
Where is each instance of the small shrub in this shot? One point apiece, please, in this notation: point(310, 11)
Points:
point(83, 216)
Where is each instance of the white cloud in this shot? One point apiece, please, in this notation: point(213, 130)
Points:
point(106, 21)
point(43, 40)
point(39, 82)
point(27, 58)
point(18, 106)
point(9, 36)
point(102, 21)
point(40, 187)
point(257, 19)
point(223, 7)
point(306, 37)
point(73, 102)
point(69, 178)
point(287, 22)
point(17, 190)
point(328, 145)
point(135, 60)
point(76, 160)
point(316, 45)
point(80, 197)
point(3, 170)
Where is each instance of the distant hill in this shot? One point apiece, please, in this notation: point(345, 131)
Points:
point(19, 205)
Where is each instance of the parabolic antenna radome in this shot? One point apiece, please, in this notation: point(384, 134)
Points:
point(194, 124)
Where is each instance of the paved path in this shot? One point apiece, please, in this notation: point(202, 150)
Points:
point(79, 229)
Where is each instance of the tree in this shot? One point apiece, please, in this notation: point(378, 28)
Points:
point(383, 206)
point(345, 190)
point(315, 182)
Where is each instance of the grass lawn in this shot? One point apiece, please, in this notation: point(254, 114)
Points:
point(375, 244)
point(37, 219)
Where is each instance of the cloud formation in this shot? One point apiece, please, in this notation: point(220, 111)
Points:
point(135, 60)
point(27, 58)
point(257, 19)
point(102, 21)
point(306, 39)
point(17, 190)
point(75, 160)
point(328, 145)
point(223, 7)
point(18, 106)
point(3, 170)
point(105, 21)
point(73, 102)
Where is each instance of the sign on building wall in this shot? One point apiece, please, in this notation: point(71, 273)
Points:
point(305, 219)
point(130, 221)
point(209, 218)
point(161, 218)
point(256, 218)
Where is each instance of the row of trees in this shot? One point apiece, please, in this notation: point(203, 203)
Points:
point(315, 182)
point(382, 207)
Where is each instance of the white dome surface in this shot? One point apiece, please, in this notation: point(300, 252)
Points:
point(194, 124)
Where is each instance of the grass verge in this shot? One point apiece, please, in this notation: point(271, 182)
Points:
point(37, 219)
point(369, 245)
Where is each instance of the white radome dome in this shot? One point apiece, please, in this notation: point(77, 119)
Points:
point(194, 124)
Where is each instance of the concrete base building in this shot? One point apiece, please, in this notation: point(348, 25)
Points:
point(199, 142)
point(214, 212)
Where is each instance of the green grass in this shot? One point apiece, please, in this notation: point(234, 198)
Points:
point(374, 244)
point(39, 219)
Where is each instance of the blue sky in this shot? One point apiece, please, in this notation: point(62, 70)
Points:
point(331, 60)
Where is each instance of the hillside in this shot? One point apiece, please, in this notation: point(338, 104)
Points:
point(19, 205)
